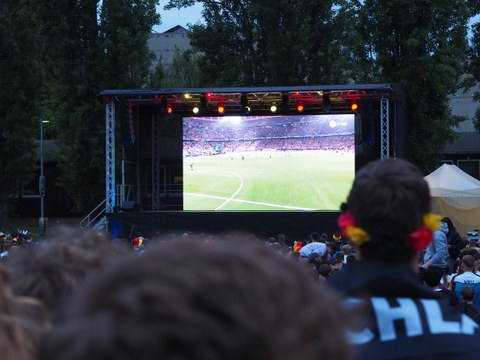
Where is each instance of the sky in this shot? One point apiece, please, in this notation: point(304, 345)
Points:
point(175, 17)
point(193, 14)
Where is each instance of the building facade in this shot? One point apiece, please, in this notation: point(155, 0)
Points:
point(465, 151)
point(166, 44)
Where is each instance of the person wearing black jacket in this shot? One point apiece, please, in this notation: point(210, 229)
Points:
point(393, 315)
point(455, 244)
point(467, 306)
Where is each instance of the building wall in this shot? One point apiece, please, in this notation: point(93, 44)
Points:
point(164, 44)
point(465, 151)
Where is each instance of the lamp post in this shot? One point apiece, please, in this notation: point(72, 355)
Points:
point(41, 183)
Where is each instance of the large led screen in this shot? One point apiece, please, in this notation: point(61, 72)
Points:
point(268, 163)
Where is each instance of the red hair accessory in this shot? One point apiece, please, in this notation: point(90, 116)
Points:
point(420, 238)
point(349, 228)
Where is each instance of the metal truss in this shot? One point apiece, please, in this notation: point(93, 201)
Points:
point(110, 157)
point(384, 128)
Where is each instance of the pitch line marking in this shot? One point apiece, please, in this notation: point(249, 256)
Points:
point(236, 192)
point(249, 202)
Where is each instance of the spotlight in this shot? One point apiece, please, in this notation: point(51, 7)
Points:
point(354, 106)
point(221, 109)
point(300, 107)
point(196, 109)
point(169, 110)
point(273, 108)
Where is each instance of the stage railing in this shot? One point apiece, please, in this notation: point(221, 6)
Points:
point(94, 216)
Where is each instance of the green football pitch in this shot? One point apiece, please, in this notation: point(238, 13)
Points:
point(277, 181)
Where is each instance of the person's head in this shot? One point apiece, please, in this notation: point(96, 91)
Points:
point(331, 248)
point(431, 277)
point(339, 256)
point(324, 237)
point(191, 300)
point(388, 200)
point(315, 237)
point(468, 263)
point(337, 265)
point(467, 293)
point(52, 270)
point(281, 238)
point(472, 244)
point(22, 321)
point(325, 270)
point(448, 221)
point(346, 249)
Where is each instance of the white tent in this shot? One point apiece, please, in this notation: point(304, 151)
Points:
point(457, 195)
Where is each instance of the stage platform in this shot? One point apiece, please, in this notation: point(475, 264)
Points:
point(295, 225)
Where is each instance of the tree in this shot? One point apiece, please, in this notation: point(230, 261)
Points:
point(422, 46)
point(266, 42)
point(97, 45)
point(475, 68)
point(20, 84)
point(183, 71)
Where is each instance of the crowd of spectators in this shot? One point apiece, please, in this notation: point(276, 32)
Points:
point(85, 295)
point(203, 137)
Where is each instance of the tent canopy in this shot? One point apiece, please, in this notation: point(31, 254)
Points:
point(450, 181)
point(457, 195)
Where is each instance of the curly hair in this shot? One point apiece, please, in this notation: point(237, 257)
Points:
point(388, 200)
point(50, 272)
point(201, 301)
point(21, 322)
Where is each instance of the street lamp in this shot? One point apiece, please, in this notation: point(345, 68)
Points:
point(41, 183)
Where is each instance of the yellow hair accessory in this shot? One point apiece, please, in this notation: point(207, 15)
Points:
point(432, 221)
point(357, 235)
point(350, 229)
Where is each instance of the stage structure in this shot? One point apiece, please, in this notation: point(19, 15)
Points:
point(197, 159)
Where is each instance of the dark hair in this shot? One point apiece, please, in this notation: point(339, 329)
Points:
point(451, 227)
point(193, 300)
point(468, 261)
point(388, 199)
point(431, 276)
point(467, 293)
point(315, 236)
point(22, 320)
point(50, 271)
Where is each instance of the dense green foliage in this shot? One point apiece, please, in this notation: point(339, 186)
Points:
point(182, 73)
point(255, 43)
point(20, 89)
point(475, 66)
point(421, 45)
point(56, 56)
point(92, 48)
